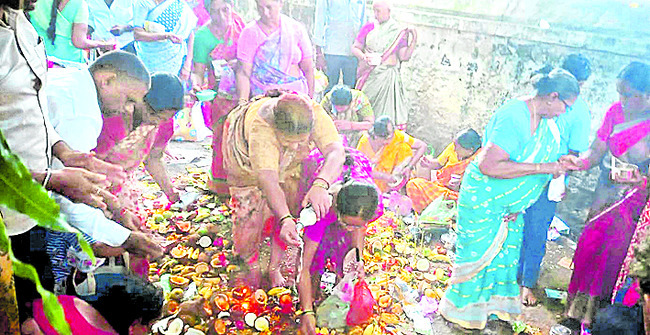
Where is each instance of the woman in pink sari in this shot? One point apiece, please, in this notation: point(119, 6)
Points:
point(215, 52)
point(274, 52)
point(623, 140)
point(129, 140)
point(381, 47)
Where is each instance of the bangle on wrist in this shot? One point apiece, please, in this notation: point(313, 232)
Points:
point(288, 216)
point(306, 312)
point(321, 182)
point(48, 176)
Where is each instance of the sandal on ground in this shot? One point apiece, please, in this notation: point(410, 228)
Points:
point(571, 323)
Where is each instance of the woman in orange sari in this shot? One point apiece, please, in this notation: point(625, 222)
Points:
point(215, 52)
point(393, 153)
point(451, 164)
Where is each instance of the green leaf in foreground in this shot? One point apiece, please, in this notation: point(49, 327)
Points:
point(51, 306)
point(21, 193)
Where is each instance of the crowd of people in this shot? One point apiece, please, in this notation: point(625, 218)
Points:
point(83, 117)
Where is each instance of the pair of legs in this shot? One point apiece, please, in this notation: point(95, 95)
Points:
point(251, 215)
point(219, 107)
point(537, 220)
point(30, 247)
point(337, 64)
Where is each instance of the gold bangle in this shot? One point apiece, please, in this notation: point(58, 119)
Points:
point(323, 179)
point(307, 312)
point(320, 183)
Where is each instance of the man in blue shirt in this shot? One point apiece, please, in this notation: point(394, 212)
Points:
point(574, 126)
point(336, 25)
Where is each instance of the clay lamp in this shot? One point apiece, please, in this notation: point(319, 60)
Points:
point(222, 302)
point(260, 297)
point(241, 292)
point(172, 306)
point(220, 326)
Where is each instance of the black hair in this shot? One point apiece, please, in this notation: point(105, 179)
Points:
point(578, 65)
point(123, 63)
point(51, 29)
point(293, 114)
point(558, 80)
point(619, 320)
point(380, 127)
point(166, 92)
point(357, 199)
point(640, 268)
point(13, 4)
point(637, 74)
point(469, 139)
point(341, 95)
point(129, 300)
point(544, 70)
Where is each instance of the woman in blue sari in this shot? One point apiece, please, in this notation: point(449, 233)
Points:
point(164, 34)
point(521, 154)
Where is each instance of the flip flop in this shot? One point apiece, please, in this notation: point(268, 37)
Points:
point(571, 323)
point(528, 304)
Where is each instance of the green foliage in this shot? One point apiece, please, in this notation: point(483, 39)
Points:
point(22, 194)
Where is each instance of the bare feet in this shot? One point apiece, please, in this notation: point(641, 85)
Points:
point(276, 277)
point(527, 297)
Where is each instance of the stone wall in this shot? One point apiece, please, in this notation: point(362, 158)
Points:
point(466, 65)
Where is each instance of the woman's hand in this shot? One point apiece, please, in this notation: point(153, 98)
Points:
point(414, 35)
point(173, 38)
point(173, 197)
point(571, 163)
point(366, 59)
point(554, 168)
point(343, 125)
point(308, 324)
point(289, 232)
point(426, 162)
point(320, 200)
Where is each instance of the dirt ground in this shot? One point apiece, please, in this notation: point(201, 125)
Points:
point(553, 275)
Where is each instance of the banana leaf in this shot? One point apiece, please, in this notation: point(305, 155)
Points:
point(21, 193)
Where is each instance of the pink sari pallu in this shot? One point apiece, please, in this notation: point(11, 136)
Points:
point(272, 62)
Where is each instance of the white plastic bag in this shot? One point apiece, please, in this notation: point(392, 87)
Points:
point(557, 188)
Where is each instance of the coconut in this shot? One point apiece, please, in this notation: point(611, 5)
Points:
point(205, 241)
point(249, 318)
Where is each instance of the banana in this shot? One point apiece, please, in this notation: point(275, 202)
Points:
point(277, 291)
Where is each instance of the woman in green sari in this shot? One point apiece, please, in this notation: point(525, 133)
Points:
point(521, 153)
point(381, 47)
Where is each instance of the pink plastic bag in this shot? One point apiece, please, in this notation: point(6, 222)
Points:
point(361, 305)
